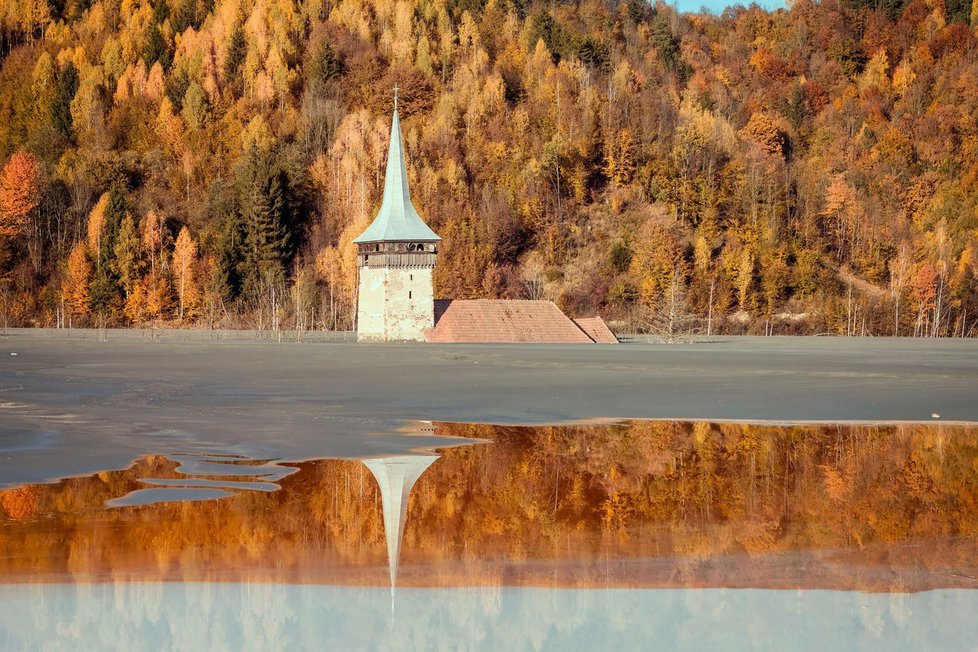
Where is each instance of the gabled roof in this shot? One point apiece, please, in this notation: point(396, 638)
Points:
point(596, 329)
point(501, 320)
point(397, 218)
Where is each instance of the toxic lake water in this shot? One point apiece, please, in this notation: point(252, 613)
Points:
point(639, 534)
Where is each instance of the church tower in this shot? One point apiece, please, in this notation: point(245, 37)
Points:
point(396, 258)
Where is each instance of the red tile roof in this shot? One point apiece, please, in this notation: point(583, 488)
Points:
point(596, 329)
point(492, 320)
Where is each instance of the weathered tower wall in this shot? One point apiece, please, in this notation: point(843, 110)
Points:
point(395, 304)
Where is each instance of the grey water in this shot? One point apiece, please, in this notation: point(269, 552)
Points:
point(232, 616)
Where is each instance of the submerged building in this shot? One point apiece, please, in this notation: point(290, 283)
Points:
point(396, 258)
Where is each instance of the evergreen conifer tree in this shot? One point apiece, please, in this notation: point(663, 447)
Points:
point(61, 107)
point(265, 216)
point(233, 60)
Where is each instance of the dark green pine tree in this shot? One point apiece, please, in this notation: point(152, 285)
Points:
point(187, 15)
point(61, 107)
point(266, 237)
point(106, 290)
point(228, 266)
point(156, 49)
point(161, 11)
point(667, 47)
point(233, 60)
point(324, 67)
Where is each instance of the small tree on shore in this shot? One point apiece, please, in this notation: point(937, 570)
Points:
point(75, 287)
point(184, 264)
point(671, 321)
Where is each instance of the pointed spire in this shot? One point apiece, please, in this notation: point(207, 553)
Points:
point(397, 218)
point(396, 476)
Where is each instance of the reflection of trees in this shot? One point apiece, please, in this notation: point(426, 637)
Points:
point(578, 494)
point(19, 503)
point(330, 517)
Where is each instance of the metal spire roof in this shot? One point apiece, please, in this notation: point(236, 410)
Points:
point(397, 218)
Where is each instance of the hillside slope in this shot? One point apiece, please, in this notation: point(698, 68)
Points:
point(210, 161)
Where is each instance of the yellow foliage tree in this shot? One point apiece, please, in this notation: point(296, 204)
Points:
point(656, 259)
point(136, 303)
point(96, 225)
point(329, 270)
point(619, 157)
point(159, 295)
point(184, 268)
point(153, 238)
point(74, 288)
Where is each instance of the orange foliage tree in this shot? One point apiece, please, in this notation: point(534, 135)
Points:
point(75, 286)
point(18, 197)
point(18, 193)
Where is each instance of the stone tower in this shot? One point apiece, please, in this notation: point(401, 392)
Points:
point(396, 258)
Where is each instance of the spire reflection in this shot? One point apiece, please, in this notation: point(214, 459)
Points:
point(396, 476)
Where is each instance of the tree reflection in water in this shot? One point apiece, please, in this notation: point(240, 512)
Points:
point(672, 504)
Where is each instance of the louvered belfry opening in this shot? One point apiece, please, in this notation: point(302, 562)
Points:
point(397, 254)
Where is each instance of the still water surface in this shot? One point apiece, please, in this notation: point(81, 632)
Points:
point(642, 533)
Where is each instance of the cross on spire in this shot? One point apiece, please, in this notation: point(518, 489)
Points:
point(395, 96)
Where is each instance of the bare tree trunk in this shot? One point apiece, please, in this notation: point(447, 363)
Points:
point(709, 318)
point(896, 317)
point(183, 277)
point(849, 311)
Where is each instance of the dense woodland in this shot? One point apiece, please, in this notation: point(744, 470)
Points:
point(208, 162)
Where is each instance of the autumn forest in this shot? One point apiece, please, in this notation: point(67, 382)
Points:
point(208, 162)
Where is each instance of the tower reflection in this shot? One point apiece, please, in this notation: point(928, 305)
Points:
point(395, 477)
